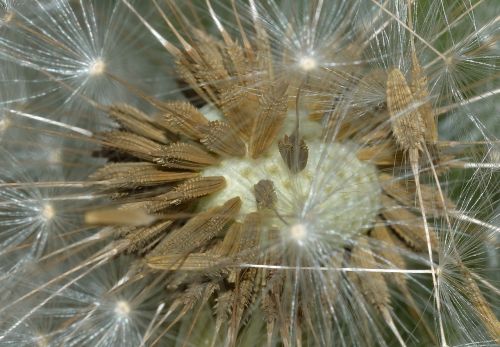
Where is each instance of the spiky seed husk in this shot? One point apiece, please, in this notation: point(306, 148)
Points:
point(191, 262)
point(399, 191)
point(199, 229)
point(293, 152)
point(181, 155)
point(135, 175)
point(273, 107)
point(184, 192)
point(239, 107)
point(137, 122)
point(220, 138)
point(406, 225)
point(265, 194)
point(142, 239)
point(419, 88)
point(182, 118)
point(373, 286)
point(407, 124)
point(389, 255)
point(483, 308)
point(130, 143)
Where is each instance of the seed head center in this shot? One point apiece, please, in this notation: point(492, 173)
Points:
point(97, 67)
point(48, 212)
point(308, 63)
point(298, 232)
point(122, 308)
point(336, 193)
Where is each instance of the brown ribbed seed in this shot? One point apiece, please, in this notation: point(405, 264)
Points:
point(189, 190)
point(230, 245)
point(183, 67)
point(136, 217)
point(220, 138)
point(372, 284)
point(135, 145)
point(199, 229)
point(191, 262)
point(196, 292)
point(210, 69)
point(136, 121)
point(407, 124)
point(250, 237)
point(389, 256)
point(182, 118)
point(483, 308)
point(238, 106)
point(406, 225)
point(419, 88)
point(398, 190)
point(245, 280)
point(134, 175)
point(270, 301)
point(186, 156)
point(141, 238)
point(239, 67)
point(273, 108)
point(265, 194)
point(294, 153)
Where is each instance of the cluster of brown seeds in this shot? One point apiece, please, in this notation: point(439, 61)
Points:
point(204, 250)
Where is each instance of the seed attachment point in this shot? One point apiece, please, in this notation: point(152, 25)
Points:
point(308, 63)
point(97, 67)
point(298, 232)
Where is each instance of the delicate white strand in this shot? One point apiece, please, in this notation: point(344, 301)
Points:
point(52, 122)
point(338, 269)
point(464, 217)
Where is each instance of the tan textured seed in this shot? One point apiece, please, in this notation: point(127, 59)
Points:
point(406, 225)
point(142, 238)
point(273, 107)
point(483, 308)
point(186, 156)
point(135, 145)
point(117, 216)
point(189, 190)
point(399, 191)
point(372, 285)
point(389, 256)
point(294, 153)
point(137, 122)
point(199, 229)
point(419, 88)
point(191, 262)
point(239, 106)
point(220, 138)
point(265, 194)
point(135, 175)
point(182, 118)
point(407, 124)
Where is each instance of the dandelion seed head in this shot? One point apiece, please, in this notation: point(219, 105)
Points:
point(323, 247)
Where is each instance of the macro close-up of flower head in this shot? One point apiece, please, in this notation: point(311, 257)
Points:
point(249, 173)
